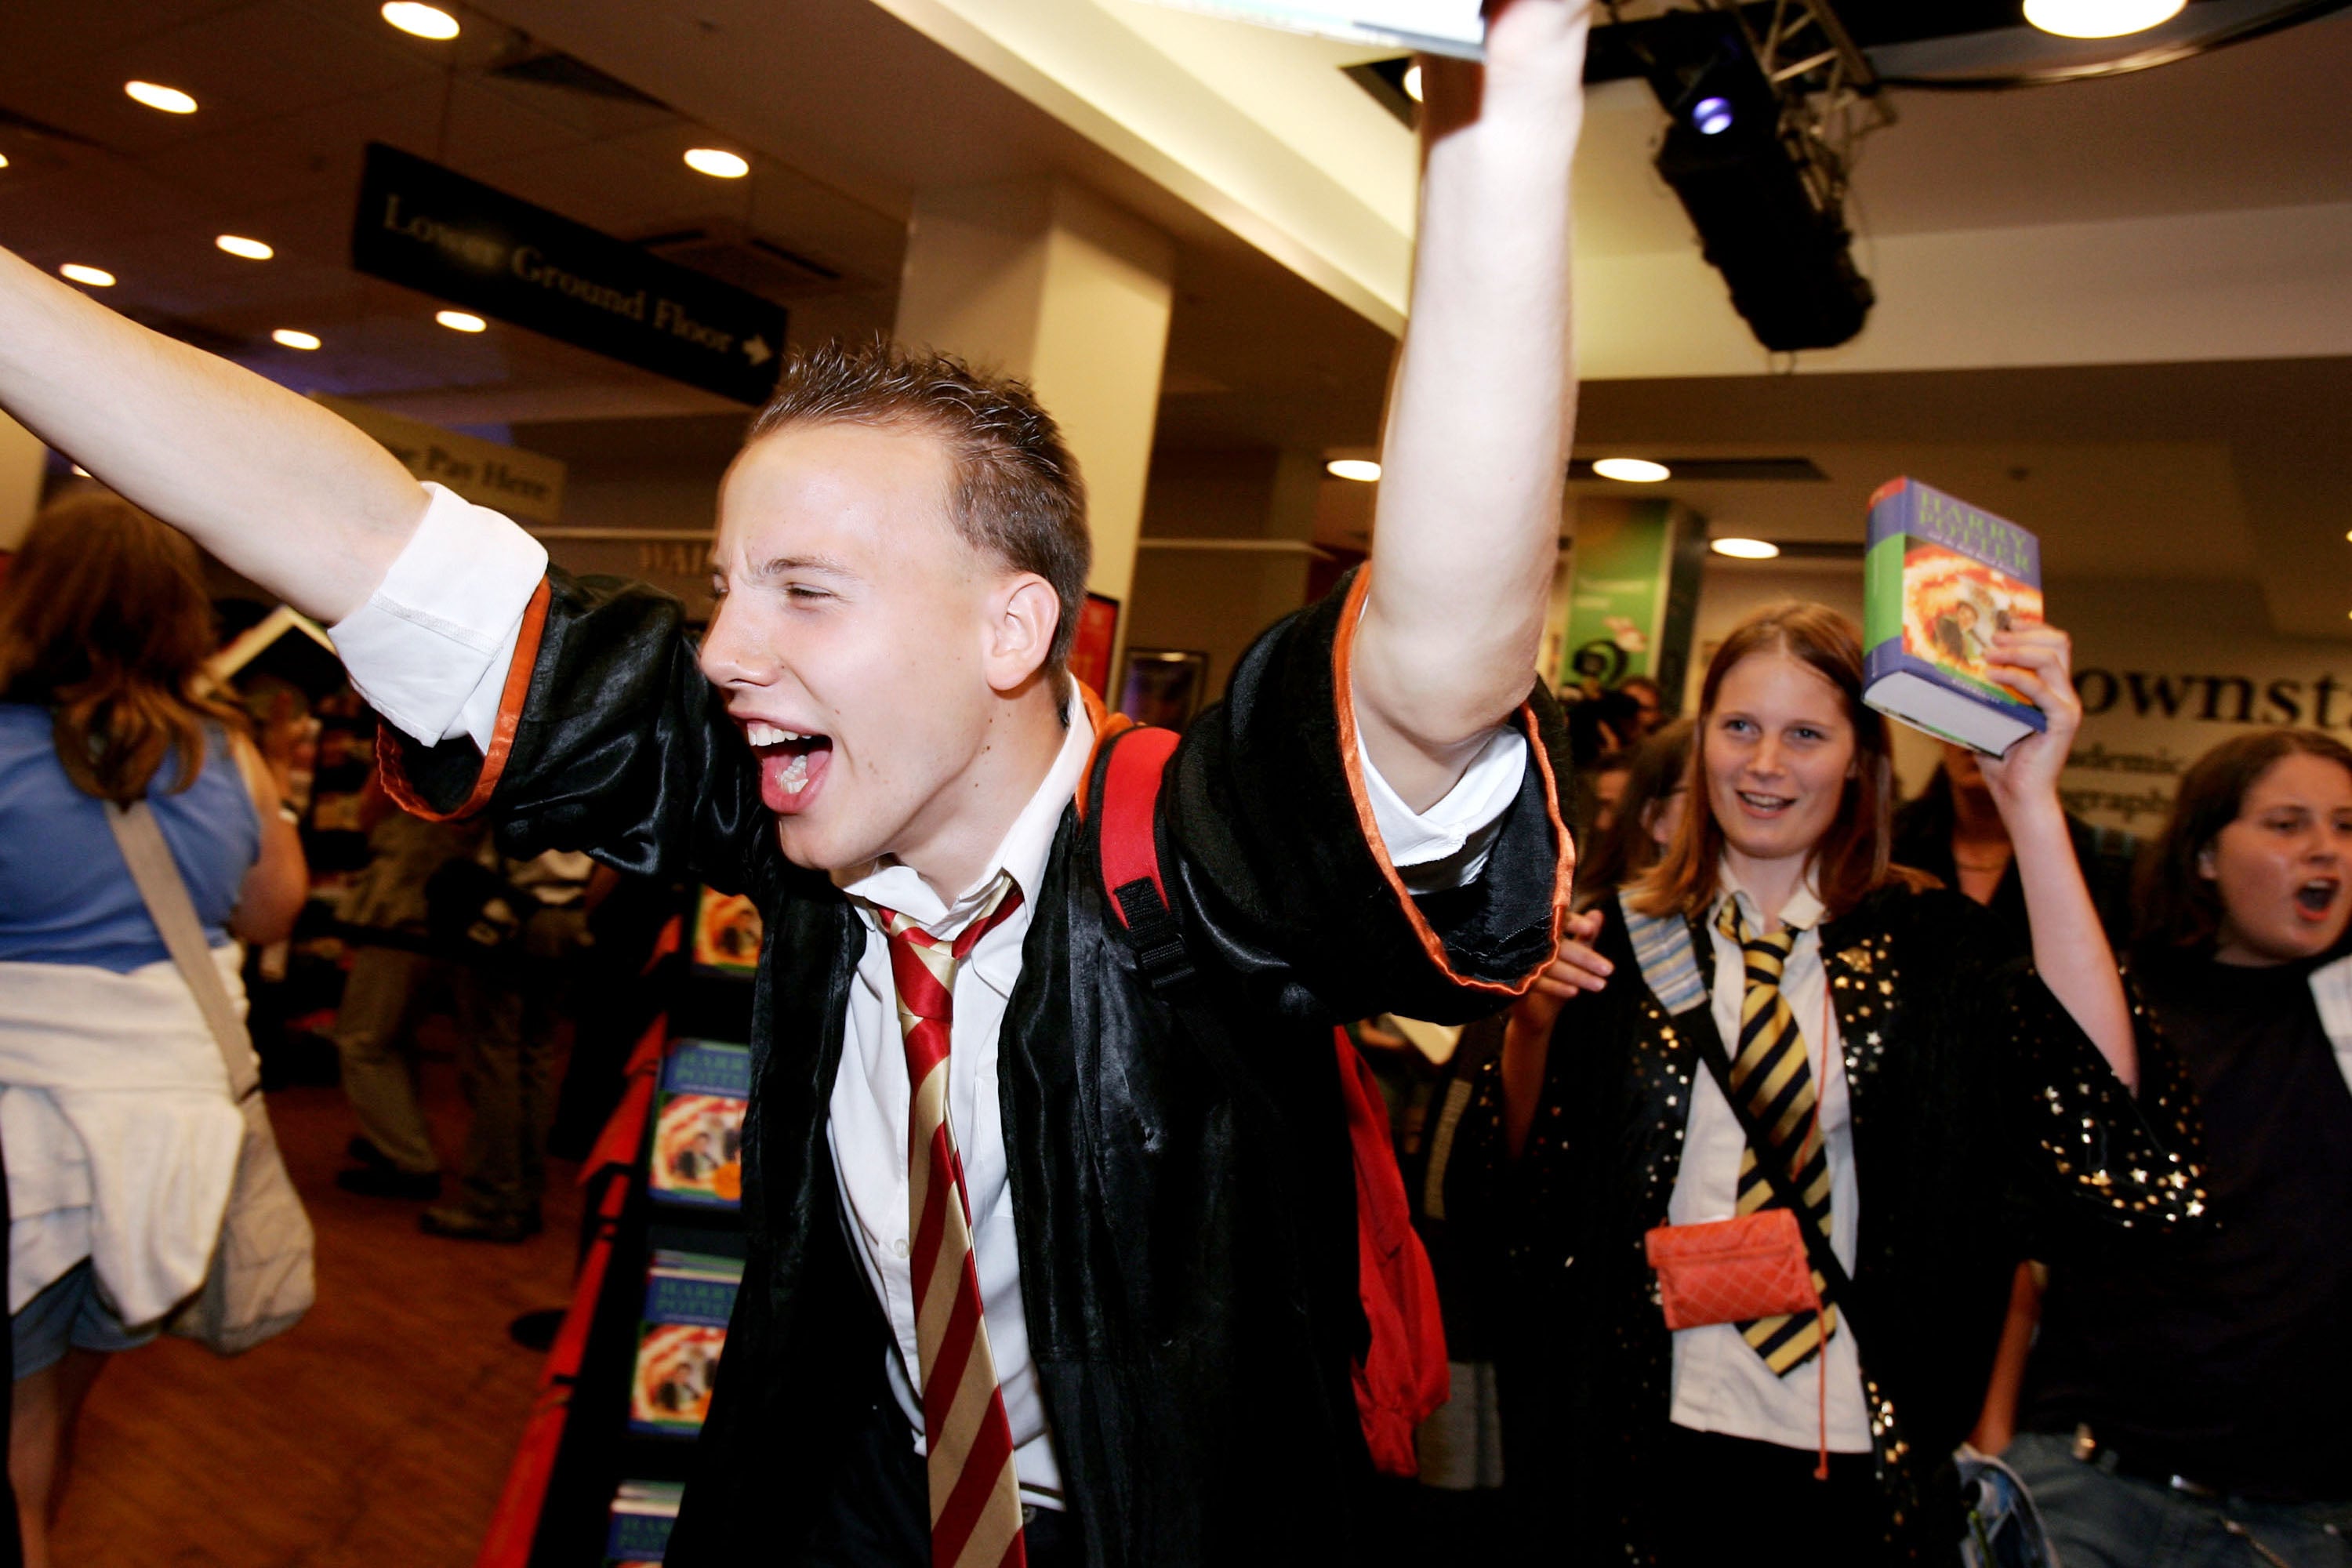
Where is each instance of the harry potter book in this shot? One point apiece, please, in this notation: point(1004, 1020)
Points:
point(688, 1296)
point(726, 933)
point(1939, 579)
point(643, 1514)
point(698, 1152)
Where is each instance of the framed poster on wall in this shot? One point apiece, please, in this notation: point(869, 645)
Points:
point(1097, 634)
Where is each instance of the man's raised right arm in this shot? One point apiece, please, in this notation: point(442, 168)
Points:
point(274, 485)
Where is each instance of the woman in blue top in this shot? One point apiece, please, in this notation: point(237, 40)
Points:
point(120, 1136)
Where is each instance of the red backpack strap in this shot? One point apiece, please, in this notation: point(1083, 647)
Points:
point(1131, 850)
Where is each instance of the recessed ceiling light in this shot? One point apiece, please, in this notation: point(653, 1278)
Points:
point(1363, 471)
point(1631, 470)
point(170, 100)
point(461, 320)
point(4, 160)
point(237, 245)
point(425, 21)
point(96, 276)
point(1412, 81)
point(286, 337)
point(717, 165)
point(2099, 19)
point(1745, 548)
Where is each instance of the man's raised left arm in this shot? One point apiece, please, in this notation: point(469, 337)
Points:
point(1475, 450)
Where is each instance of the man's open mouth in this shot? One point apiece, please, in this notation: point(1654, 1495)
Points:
point(2317, 897)
point(791, 763)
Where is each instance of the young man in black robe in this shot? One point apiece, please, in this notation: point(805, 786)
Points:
point(1041, 1269)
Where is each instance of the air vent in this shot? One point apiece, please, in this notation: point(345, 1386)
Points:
point(1721, 470)
point(14, 120)
point(528, 60)
point(732, 254)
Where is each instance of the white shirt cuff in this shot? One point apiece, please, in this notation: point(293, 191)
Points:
point(1446, 846)
point(429, 650)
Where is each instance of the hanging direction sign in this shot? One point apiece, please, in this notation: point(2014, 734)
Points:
point(433, 230)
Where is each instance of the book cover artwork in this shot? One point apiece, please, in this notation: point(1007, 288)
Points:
point(1941, 577)
point(697, 1153)
point(689, 1296)
point(726, 933)
point(1439, 27)
point(643, 1514)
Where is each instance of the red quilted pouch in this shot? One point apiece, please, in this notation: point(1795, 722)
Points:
point(1732, 1270)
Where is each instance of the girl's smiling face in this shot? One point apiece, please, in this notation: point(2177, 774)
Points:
point(1776, 753)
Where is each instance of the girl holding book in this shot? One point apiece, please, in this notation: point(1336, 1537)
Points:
point(1774, 1017)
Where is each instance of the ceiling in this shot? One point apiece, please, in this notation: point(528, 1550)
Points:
point(2138, 291)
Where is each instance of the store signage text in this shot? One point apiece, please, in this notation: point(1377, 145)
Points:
point(527, 486)
point(436, 231)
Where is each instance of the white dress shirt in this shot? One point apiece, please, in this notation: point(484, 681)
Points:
point(430, 650)
point(1720, 1384)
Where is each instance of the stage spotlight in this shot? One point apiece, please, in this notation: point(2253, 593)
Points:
point(1766, 198)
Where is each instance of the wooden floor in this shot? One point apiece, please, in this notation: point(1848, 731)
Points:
point(377, 1433)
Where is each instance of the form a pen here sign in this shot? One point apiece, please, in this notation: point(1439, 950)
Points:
point(527, 486)
point(436, 230)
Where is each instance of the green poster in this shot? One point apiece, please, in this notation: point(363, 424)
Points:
point(1633, 595)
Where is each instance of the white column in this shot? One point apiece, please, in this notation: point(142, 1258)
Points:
point(1043, 280)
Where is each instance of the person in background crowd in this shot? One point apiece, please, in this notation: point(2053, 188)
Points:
point(1599, 724)
point(1953, 831)
point(1646, 709)
point(2186, 1403)
point(1648, 813)
point(393, 969)
point(1604, 786)
point(508, 1065)
point(122, 1138)
point(1885, 1063)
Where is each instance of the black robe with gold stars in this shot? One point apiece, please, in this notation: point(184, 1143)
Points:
point(1985, 1123)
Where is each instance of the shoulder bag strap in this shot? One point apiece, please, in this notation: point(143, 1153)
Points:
point(1670, 968)
point(1130, 852)
point(166, 893)
point(1836, 1283)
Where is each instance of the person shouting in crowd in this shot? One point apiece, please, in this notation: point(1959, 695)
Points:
point(2185, 1404)
point(1776, 1019)
point(1110, 1298)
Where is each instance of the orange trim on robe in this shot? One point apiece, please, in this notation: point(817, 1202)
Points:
point(1343, 649)
point(1106, 724)
point(494, 761)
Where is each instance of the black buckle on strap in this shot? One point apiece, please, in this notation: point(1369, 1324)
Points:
point(1158, 944)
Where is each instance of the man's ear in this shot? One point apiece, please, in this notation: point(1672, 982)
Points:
point(1023, 614)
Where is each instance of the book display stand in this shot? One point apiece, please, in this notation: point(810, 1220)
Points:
point(598, 1475)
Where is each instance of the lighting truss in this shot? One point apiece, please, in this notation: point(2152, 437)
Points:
point(1827, 95)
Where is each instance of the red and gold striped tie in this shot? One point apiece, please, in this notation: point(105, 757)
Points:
point(975, 1494)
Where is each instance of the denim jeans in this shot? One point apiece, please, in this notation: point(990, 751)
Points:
point(2098, 1518)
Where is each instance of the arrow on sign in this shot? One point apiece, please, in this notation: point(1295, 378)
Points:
point(757, 351)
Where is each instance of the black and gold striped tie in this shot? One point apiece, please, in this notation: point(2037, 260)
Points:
point(1772, 1074)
